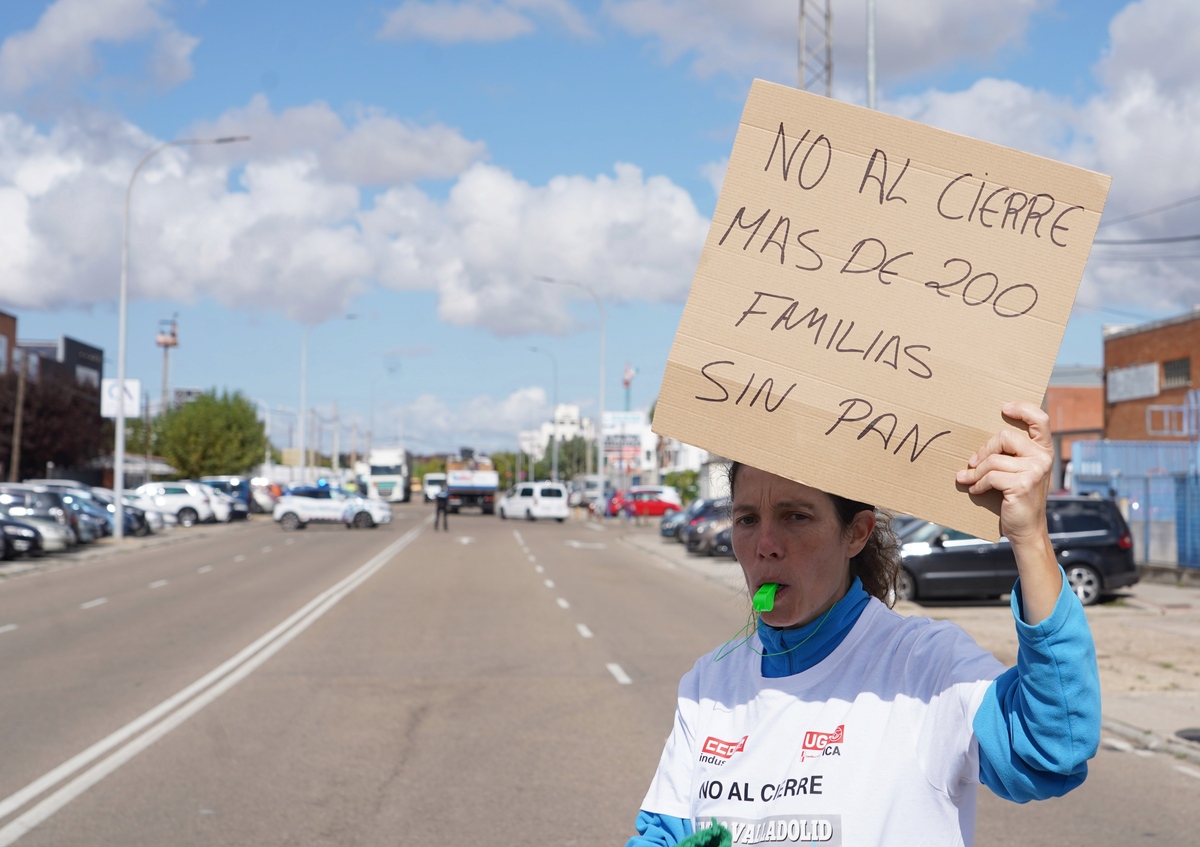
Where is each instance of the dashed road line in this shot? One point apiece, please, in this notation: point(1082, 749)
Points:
point(204, 569)
point(289, 541)
point(267, 549)
point(1118, 744)
point(8, 627)
point(517, 535)
point(1192, 772)
point(562, 604)
point(159, 583)
point(539, 569)
point(583, 630)
point(532, 557)
point(91, 604)
point(549, 583)
point(240, 557)
point(618, 674)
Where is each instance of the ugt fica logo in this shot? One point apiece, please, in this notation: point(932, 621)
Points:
point(822, 743)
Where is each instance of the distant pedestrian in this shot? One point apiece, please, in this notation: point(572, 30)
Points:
point(442, 501)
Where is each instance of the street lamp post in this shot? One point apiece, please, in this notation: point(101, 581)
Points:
point(123, 309)
point(553, 414)
point(600, 414)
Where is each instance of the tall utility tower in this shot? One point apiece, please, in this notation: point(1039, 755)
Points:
point(168, 337)
point(815, 31)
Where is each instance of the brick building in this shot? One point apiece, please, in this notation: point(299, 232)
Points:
point(1075, 404)
point(1147, 374)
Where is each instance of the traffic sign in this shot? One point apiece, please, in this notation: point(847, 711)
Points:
point(109, 395)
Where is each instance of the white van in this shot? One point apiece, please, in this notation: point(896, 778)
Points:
point(533, 500)
point(432, 484)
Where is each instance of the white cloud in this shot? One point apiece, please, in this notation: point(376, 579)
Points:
point(60, 47)
point(714, 172)
point(482, 422)
point(295, 234)
point(375, 150)
point(760, 39)
point(455, 21)
point(631, 237)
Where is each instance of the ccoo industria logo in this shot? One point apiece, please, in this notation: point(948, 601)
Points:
point(717, 752)
point(822, 743)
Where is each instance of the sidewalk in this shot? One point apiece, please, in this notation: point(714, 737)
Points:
point(105, 547)
point(1148, 645)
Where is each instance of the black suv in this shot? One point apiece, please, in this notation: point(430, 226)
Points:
point(1091, 540)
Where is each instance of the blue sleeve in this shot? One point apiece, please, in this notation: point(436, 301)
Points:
point(1039, 722)
point(659, 830)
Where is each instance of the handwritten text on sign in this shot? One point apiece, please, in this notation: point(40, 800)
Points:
point(870, 294)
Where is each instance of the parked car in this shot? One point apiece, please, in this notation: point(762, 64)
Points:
point(56, 537)
point(706, 510)
point(700, 538)
point(644, 501)
point(18, 539)
point(23, 503)
point(187, 501)
point(1091, 541)
point(722, 543)
point(670, 523)
point(240, 488)
point(533, 500)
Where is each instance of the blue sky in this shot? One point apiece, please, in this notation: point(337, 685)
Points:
point(416, 165)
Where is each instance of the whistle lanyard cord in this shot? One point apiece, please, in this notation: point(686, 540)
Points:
point(752, 626)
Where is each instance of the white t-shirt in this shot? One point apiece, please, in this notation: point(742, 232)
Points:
point(873, 745)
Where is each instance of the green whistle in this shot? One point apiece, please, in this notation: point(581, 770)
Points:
point(764, 598)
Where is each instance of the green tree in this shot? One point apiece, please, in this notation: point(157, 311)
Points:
point(212, 435)
point(685, 482)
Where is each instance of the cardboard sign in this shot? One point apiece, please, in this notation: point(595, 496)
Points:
point(871, 293)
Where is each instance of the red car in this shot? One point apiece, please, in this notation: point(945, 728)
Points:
point(641, 503)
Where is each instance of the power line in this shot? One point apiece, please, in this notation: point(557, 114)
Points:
point(1149, 212)
point(1145, 258)
point(1171, 239)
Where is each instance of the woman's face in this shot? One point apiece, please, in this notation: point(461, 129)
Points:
point(788, 533)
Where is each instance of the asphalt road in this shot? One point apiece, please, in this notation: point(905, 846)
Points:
point(503, 683)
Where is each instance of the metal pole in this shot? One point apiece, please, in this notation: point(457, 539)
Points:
point(870, 54)
point(304, 405)
point(123, 308)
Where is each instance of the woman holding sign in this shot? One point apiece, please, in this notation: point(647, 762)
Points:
point(839, 721)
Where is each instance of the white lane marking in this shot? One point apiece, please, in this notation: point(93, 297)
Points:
point(585, 545)
point(1118, 744)
point(267, 549)
point(465, 539)
point(91, 604)
point(532, 557)
point(239, 558)
point(204, 569)
point(1192, 772)
point(618, 674)
point(8, 627)
point(517, 535)
point(158, 583)
point(1143, 753)
point(289, 541)
point(539, 569)
point(596, 527)
point(562, 604)
point(549, 583)
point(583, 630)
point(192, 699)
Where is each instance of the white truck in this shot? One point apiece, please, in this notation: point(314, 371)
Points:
point(388, 474)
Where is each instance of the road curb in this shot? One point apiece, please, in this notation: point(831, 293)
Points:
point(1147, 740)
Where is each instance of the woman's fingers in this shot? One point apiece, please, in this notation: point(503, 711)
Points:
point(1035, 418)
